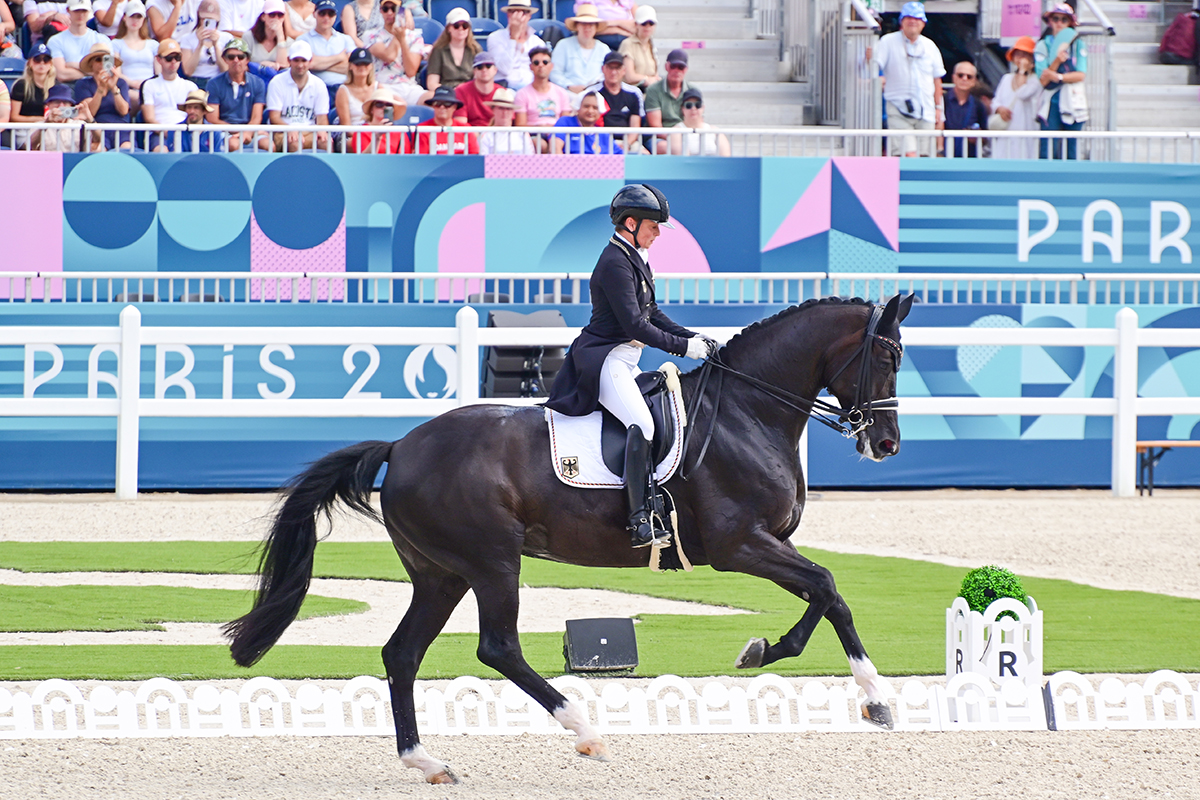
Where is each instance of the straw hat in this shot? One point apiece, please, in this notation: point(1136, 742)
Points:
point(99, 50)
point(197, 96)
point(518, 5)
point(586, 13)
point(503, 98)
point(382, 95)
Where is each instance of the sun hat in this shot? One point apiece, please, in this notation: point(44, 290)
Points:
point(915, 10)
point(443, 95)
point(1061, 8)
point(135, 7)
point(383, 95)
point(678, 56)
point(586, 12)
point(99, 50)
point(1025, 44)
point(457, 15)
point(361, 55)
point(60, 93)
point(168, 46)
point(300, 49)
point(196, 96)
point(482, 58)
point(238, 44)
point(503, 98)
point(517, 5)
point(645, 14)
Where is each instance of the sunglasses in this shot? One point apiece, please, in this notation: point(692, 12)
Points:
point(41, 59)
point(1059, 18)
point(539, 62)
point(964, 75)
point(462, 25)
point(236, 57)
point(484, 66)
point(388, 7)
point(172, 57)
point(677, 66)
point(693, 104)
point(443, 104)
point(326, 12)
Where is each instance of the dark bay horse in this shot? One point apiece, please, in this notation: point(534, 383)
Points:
point(467, 493)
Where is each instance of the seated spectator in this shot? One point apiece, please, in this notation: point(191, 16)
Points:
point(357, 89)
point(624, 101)
point(591, 107)
point(578, 59)
point(39, 12)
point(105, 94)
point(397, 49)
point(511, 46)
point(696, 143)
point(619, 16)
point(268, 42)
point(375, 113)
point(239, 97)
point(297, 98)
point(452, 56)
point(1015, 106)
point(204, 45)
point(8, 35)
point(28, 94)
point(541, 103)
point(301, 18)
point(965, 111)
point(69, 47)
point(136, 50)
point(1178, 44)
point(360, 16)
point(196, 108)
point(108, 15)
point(331, 49)
point(475, 95)
point(664, 100)
point(162, 95)
point(502, 141)
point(238, 16)
point(445, 105)
point(5, 109)
point(61, 110)
point(641, 65)
point(172, 19)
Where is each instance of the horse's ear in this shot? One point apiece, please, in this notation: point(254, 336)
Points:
point(905, 307)
point(895, 311)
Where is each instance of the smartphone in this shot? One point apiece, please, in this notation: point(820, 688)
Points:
point(210, 24)
point(108, 63)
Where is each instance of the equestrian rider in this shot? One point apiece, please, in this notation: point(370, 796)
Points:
point(602, 363)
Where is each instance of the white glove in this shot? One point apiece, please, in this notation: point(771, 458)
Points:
point(698, 348)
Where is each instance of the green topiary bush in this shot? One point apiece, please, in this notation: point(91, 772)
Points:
point(984, 585)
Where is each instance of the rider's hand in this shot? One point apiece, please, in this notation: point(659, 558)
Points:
point(699, 347)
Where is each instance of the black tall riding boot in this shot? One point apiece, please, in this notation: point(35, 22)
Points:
point(637, 481)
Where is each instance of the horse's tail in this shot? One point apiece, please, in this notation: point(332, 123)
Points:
point(286, 563)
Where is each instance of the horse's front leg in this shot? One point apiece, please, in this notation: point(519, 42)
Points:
point(767, 557)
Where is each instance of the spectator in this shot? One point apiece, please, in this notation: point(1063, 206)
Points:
point(297, 98)
point(1015, 106)
point(591, 108)
point(105, 93)
point(912, 73)
point(268, 42)
point(358, 88)
point(360, 16)
point(70, 46)
point(8, 38)
point(28, 95)
point(238, 97)
point(541, 103)
point(450, 61)
point(204, 45)
point(504, 140)
point(445, 105)
point(375, 114)
point(136, 50)
point(624, 101)
point(619, 16)
point(641, 66)
point(965, 111)
point(60, 110)
point(39, 12)
point(239, 16)
point(578, 59)
point(172, 19)
point(162, 95)
point(1060, 61)
point(396, 49)
point(697, 143)
point(5, 111)
point(196, 110)
point(511, 46)
point(301, 18)
point(475, 95)
point(108, 15)
point(1178, 46)
point(664, 100)
point(331, 49)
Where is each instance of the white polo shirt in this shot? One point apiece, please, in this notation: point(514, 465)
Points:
point(297, 106)
point(909, 69)
point(166, 96)
point(336, 44)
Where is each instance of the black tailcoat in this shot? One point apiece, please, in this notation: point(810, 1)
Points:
point(623, 310)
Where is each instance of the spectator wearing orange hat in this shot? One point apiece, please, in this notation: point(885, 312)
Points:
point(1014, 108)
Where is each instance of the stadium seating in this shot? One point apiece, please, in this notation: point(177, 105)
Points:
point(415, 116)
point(438, 9)
point(11, 69)
point(482, 26)
point(431, 29)
point(564, 9)
point(551, 30)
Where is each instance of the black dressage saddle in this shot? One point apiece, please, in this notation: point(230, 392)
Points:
point(653, 386)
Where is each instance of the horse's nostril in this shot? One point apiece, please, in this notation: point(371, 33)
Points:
point(887, 446)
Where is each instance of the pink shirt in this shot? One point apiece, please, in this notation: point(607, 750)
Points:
point(543, 109)
point(611, 9)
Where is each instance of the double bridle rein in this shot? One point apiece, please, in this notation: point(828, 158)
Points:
point(847, 421)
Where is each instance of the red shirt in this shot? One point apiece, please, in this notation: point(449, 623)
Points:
point(475, 109)
point(463, 143)
point(382, 140)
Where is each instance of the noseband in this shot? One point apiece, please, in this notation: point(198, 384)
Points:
point(847, 421)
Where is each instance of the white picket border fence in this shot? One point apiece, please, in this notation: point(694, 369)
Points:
point(161, 708)
point(467, 337)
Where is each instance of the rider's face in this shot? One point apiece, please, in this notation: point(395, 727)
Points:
point(646, 234)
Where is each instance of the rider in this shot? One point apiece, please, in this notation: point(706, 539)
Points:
point(602, 363)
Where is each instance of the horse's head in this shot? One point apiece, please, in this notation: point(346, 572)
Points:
point(861, 371)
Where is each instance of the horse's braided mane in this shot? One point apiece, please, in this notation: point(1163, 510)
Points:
point(752, 330)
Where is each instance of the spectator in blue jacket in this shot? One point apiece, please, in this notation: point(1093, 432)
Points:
point(591, 108)
point(964, 110)
point(238, 96)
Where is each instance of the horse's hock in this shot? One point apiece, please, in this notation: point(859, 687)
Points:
point(1001, 647)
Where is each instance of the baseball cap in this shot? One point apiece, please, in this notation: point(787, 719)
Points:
point(483, 57)
point(915, 10)
point(325, 5)
point(168, 46)
point(135, 7)
point(645, 14)
point(300, 49)
point(40, 49)
point(692, 93)
point(678, 56)
point(613, 57)
point(237, 44)
point(361, 55)
point(274, 7)
point(78, 5)
point(443, 95)
point(457, 15)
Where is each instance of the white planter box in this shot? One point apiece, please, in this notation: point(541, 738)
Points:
point(1002, 649)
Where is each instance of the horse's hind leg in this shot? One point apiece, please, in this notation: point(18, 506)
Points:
point(436, 593)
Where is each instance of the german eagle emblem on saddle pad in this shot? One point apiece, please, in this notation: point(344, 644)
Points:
point(588, 452)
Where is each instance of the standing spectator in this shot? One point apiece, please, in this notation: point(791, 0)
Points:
point(29, 93)
point(964, 110)
point(445, 105)
point(541, 103)
point(39, 12)
point(375, 114)
point(196, 110)
point(238, 97)
point(359, 17)
point(108, 15)
point(504, 140)
point(1178, 44)
point(664, 100)
point(1016, 103)
point(204, 45)
point(172, 19)
point(105, 93)
point(61, 110)
point(476, 95)
point(697, 143)
point(70, 46)
point(239, 16)
point(624, 101)
point(297, 98)
point(331, 49)
point(453, 53)
point(511, 46)
point(591, 107)
point(358, 88)
point(301, 18)
point(268, 42)
point(162, 95)
point(396, 49)
point(578, 59)
point(136, 50)
point(1060, 60)
point(641, 65)
point(912, 73)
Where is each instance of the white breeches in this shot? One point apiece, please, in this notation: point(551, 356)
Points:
point(619, 392)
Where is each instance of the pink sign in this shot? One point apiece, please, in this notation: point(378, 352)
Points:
point(1137, 10)
point(1020, 18)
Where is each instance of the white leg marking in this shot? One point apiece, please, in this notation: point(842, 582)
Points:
point(417, 758)
point(865, 675)
point(574, 718)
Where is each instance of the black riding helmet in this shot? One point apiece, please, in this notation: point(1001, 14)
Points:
point(640, 201)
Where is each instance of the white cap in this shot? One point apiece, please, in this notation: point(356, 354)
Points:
point(300, 49)
point(273, 6)
point(457, 15)
point(135, 7)
point(645, 14)
point(76, 5)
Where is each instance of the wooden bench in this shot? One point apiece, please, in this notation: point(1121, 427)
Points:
point(1150, 453)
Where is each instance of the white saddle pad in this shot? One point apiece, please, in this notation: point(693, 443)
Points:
point(575, 444)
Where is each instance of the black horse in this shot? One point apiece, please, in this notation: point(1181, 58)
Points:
point(470, 492)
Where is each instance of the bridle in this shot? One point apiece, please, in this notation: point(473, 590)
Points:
point(847, 421)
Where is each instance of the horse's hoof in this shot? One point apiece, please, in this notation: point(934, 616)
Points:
point(593, 749)
point(445, 776)
point(879, 714)
point(752, 654)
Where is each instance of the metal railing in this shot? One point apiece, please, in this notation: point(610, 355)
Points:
point(862, 88)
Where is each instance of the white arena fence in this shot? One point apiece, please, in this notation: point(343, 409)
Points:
point(707, 288)
point(1134, 147)
point(126, 341)
point(161, 708)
